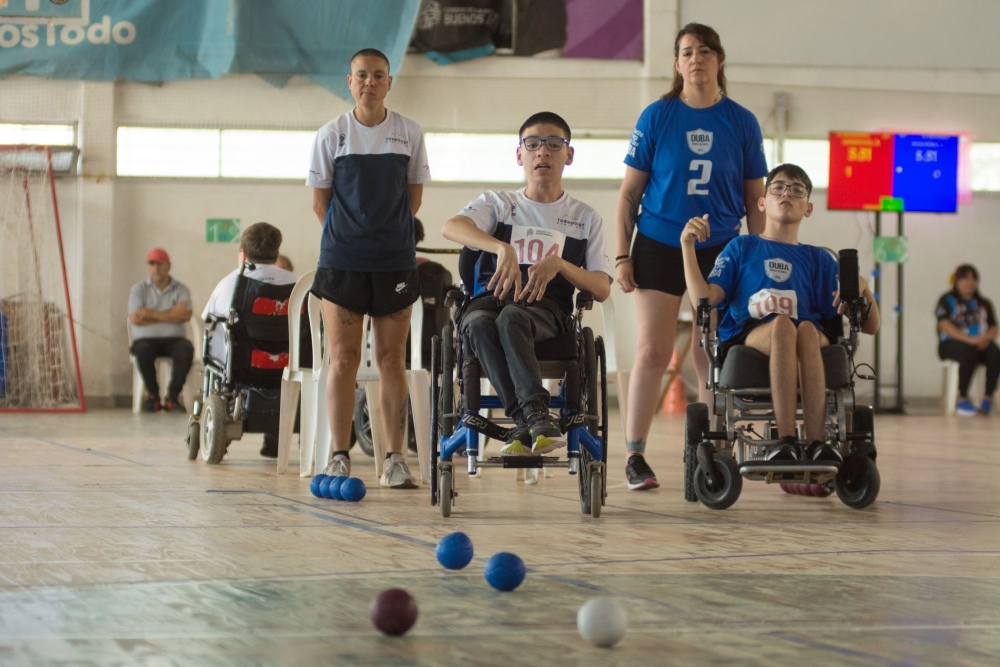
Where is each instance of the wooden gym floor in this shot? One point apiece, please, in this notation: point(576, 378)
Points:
point(116, 550)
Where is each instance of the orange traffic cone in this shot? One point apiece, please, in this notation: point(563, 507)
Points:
point(674, 398)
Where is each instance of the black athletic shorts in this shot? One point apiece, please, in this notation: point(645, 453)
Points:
point(660, 266)
point(375, 293)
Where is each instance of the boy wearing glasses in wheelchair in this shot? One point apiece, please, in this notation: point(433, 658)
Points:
point(540, 245)
point(775, 294)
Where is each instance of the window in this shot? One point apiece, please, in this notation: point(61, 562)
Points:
point(813, 155)
point(41, 135)
point(175, 152)
point(491, 158)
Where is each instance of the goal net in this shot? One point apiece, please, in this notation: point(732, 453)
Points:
point(39, 365)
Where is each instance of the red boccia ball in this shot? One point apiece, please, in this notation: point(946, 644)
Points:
point(393, 612)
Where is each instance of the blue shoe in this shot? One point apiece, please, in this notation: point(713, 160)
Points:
point(965, 408)
point(986, 407)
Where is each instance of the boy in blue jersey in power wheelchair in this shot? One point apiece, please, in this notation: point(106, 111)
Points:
point(782, 299)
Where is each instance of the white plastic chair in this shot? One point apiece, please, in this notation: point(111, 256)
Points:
point(307, 383)
point(164, 367)
point(419, 380)
point(617, 377)
point(949, 385)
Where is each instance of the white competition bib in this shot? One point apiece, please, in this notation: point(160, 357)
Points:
point(774, 302)
point(536, 243)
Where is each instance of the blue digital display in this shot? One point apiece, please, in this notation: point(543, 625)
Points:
point(925, 173)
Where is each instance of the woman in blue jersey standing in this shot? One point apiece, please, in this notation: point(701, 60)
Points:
point(694, 152)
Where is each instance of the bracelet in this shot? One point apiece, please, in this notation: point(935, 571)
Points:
point(626, 260)
point(623, 257)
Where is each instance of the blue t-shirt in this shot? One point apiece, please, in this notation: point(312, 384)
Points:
point(763, 278)
point(697, 161)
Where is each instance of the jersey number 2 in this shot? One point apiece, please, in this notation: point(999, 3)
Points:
point(704, 169)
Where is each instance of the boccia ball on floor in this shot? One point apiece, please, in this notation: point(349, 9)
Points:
point(314, 485)
point(454, 551)
point(393, 612)
point(352, 489)
point(335, 486)
point(602, 622)
point(504, 571)
point(324, 486)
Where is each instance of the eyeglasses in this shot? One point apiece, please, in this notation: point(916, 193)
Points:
point(552, 144)
point(796, 191)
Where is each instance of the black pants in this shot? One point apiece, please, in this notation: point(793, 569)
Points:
point(968, 357)
point(180, 351)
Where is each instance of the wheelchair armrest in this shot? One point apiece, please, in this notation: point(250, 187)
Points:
point(584, 301)
point(454, 296)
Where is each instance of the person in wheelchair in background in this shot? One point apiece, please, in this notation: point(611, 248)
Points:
point(776, 294)
point(540, 246)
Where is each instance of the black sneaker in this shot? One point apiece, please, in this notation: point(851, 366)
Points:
point(639, 475)
point(270, 446)
point(151, 404)
point(173, 404)
point(820, 451)
point(787, 450)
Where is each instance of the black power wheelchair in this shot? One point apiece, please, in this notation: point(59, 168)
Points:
point(717, 461)
point(575, 357)
point(242, 393)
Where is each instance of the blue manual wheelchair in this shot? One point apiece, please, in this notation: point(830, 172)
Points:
point(717, 461)
point(576, 358)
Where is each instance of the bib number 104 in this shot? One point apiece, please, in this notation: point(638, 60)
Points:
point(533, 244)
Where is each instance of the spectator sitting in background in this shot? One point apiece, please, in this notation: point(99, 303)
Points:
point(158, 309)
point(967, 325)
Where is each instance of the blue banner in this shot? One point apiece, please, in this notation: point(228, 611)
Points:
point(168, 40)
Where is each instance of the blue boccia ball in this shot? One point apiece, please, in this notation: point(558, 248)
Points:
point(334, 489)
point(324, 486)
point(353, 489)
point(314, 485)
point(454, 551)
point(504, 571)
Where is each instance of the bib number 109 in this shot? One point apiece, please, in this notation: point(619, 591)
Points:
point(774, 302)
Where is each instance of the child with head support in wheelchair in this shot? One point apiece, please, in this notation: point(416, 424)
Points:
point(776, 294)
point(540, 245)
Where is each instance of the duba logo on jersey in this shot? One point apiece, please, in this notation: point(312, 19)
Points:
point(699, 141)
point(778, 270)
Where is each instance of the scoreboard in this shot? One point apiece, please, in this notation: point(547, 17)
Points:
point(893, 172)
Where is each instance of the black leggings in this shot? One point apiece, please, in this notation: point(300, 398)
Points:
point(968, 357)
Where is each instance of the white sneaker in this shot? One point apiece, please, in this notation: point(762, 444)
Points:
point(338, 465)
point(396, 475)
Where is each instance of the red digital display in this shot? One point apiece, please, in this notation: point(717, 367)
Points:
point(861, 170)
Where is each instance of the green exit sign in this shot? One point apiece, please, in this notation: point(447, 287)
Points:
point(222, 230)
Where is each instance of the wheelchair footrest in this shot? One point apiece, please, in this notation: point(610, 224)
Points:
point(523, 461)
point(787, 471)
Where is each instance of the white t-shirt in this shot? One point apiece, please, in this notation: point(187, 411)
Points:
point(222, 298)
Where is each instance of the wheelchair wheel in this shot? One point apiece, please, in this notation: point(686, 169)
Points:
point(590, 378)
point(213, 422)
point(694, 434)
point(596, 490)
point(445, 490)
point(447, 403)
point(727, 487)
point(193, 439)
point(361, 425)
point(858, 481)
